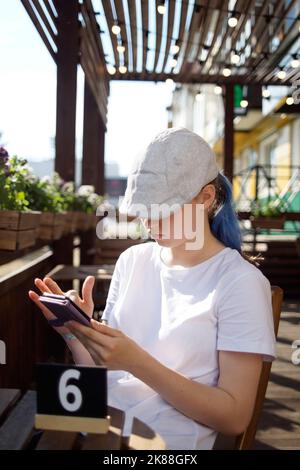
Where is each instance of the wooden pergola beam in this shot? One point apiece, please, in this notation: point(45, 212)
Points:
point(158, 35)
point(134, 32)
point(110, 22)
point(121, 19)
point(171, 12)
point(145, 28)
point(41, 28)
point(93, 138)
point(197, 78)
point(67, 60)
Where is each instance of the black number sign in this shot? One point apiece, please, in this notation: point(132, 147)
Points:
point(68, 390)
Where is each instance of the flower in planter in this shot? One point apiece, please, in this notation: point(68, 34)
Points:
point(45, 194)
point(4, 161)
point(83, 200)
point(3, 155)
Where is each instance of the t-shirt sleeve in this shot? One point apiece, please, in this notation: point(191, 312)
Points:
point(113, 292)
point(245, 317)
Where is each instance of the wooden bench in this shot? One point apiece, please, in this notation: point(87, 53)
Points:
point(17, 430)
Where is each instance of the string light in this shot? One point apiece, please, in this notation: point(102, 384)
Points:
point(232, 21)
point(169, 81)
point(281, 74)
point(266, 93)
point(122, 69)
point(244, 103)
point(161, 8)
point(116, 29)
point(111, 69)
point(198, 96)
point(295, 61)
point(175, 48)
point(218, 90)
point(289, 100)
point(226, 72)
point(235, 58)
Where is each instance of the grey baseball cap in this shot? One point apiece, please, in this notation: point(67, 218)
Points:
point(168, 173)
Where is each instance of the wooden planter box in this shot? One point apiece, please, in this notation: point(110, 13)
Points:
point(83, 221)
point(71, 222)
point(18, 229)
point(94, 219)
point(268, 222)
point(52, 226)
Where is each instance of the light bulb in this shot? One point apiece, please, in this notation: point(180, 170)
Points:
point(232, 22)
point(218, 90)
point(198, 96)
point(295, 63)
point(226, 72)
point(121, 48)
point(122, 69)
point(244, 103)
point(111, 69)
point(116, 29)
point(235, 58)
point(161, 9)
point(281, 74)
point(169, 81)
point(266, 93)
point(174, 49)
point(289, 100)
point(173, 63)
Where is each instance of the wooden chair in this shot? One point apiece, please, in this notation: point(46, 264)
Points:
point(245, 441)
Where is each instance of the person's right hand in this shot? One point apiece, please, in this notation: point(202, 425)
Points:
point(85, 302)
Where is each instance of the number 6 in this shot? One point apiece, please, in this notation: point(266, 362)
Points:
point(64, 390)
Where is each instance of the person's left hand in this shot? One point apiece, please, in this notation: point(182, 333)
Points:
point(107, 346)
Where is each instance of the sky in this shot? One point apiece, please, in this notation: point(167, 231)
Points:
point(136, 112)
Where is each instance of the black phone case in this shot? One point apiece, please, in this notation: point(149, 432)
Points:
point(64, 309)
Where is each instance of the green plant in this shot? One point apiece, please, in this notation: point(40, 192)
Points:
point(268, 208)
point(15, 177)
point(45, 194)
point(21, 190)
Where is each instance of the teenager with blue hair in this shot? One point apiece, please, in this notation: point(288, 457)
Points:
point(188, 325)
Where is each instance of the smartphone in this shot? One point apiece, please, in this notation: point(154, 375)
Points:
point(64, 309)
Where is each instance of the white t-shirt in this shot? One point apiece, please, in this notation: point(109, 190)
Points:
point(183, 316)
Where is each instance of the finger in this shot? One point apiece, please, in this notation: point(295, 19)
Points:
point(89, 333)
point(104, 329)
point(97, 353)
point(87, 289)
point(73, 295)
point(53, 286)
point(35, 298)
point(41, 286)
